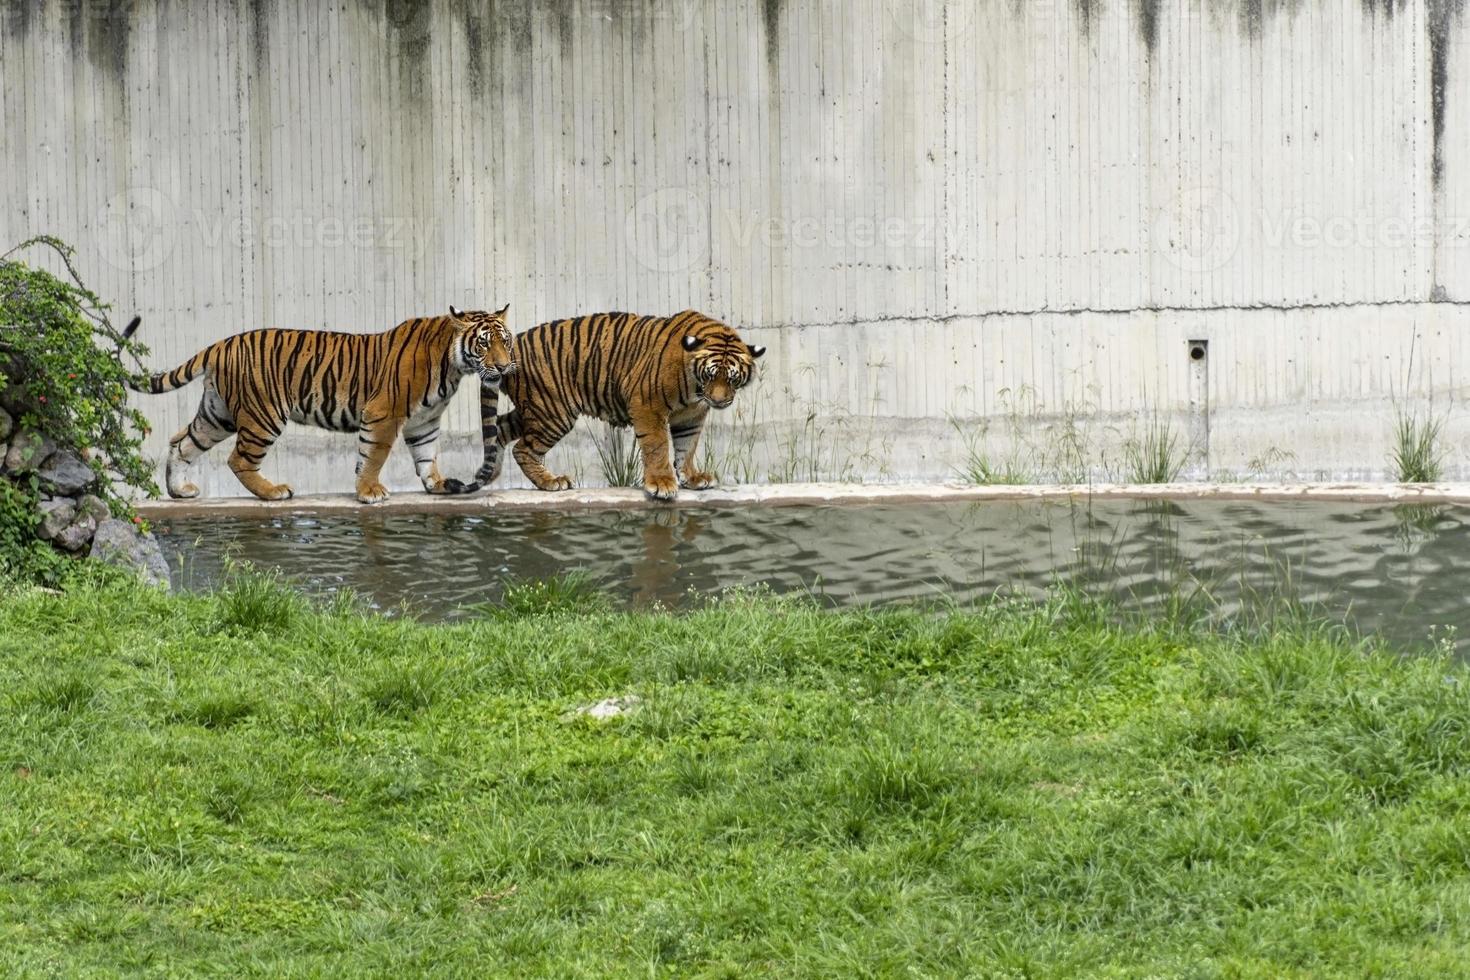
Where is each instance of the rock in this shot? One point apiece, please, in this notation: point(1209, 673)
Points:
point(94, 507)
point(56, 514)
point(7, 425)
point(119, 543)
point(67, 473)
point(28, 450)
point(77, 534)
point(607, 708)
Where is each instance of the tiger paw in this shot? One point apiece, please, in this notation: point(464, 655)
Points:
point(698, 480)
point(557, 483)
point(661, 487)
point(186, 492)
point(371, 493)
point(281, 491)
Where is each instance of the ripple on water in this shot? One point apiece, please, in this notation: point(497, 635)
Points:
point(1397, 570)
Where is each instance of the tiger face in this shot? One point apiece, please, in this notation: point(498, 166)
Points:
point(486, 347)
point(720, 365)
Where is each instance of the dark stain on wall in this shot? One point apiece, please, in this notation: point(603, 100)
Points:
point(1086, 10)
point(1385, 7)
point(1252, 17)
point(1441, 15)
point(1148, 23)
point(260, 36)
point(771, 16)
point(107, 28)
point(565, 13)
point(477, 23)
point(409, 25)
point(17, 17)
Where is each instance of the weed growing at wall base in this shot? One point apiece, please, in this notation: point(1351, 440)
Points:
point(243, 783)
point(1418, 456)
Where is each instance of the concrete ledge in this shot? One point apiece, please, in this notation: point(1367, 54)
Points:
point(803, 494)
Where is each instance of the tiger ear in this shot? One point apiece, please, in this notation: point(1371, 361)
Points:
point(691, 342)
point(756, 350)
point(502, 311)
point(454, 312)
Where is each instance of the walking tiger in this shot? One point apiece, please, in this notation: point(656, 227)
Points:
point(377, 385)
point(661, 375)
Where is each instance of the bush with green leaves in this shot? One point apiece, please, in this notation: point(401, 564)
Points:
point(63, 373)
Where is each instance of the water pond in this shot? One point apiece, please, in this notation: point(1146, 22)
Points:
point(1397, 570)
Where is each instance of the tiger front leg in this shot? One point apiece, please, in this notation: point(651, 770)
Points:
point(652, 432)
point(685, 433)
point(374, 442)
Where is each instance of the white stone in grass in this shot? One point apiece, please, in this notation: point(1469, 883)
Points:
point(608, 707)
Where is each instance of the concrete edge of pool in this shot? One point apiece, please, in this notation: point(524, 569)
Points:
point(804, 494)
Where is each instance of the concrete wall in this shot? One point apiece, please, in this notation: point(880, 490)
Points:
point(1013, 216)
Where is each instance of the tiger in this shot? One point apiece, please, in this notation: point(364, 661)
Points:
point(377, 385)
point(661, 375)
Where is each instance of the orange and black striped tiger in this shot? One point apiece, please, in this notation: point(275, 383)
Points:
point(376, 385)
point(661, 375)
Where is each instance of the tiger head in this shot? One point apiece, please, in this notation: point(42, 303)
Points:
point(486, 346)
point(720, 364)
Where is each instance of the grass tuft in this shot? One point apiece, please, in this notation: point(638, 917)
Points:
point(572, 592)
point(1153, 456)
point(1418, 454)
point(618, 456)
point(256, 601)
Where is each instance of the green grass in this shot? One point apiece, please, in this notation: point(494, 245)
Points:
point(1153, 456)
point(1418, 455)
point(244, 784)
point(618, 456)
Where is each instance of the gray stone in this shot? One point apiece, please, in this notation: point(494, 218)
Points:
point(28, 450)
point(77, 535)
point(67, 473)
point(56, 514)
point(119, 543)
point(7, 425)
point(94, 507)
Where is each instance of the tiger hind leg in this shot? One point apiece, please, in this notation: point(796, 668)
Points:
point(211, 425)
point(251, 445)
point(530, 453)
point(374, 441)
point(422, 441)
